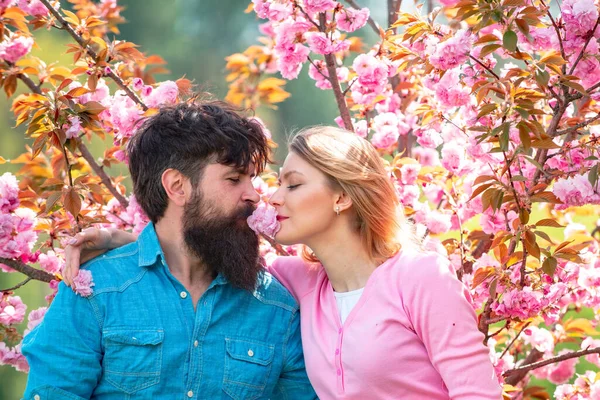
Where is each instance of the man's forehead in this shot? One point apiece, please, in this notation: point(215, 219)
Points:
point(227, 168)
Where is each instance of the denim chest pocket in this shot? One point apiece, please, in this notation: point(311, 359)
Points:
point(132, 358)
point(247, 368)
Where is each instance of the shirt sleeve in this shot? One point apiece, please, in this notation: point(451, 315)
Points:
point(298, 277)
point(64, 351)
point(293, 382)
point(445, 321)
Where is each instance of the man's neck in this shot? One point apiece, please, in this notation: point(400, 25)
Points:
point(188, 269)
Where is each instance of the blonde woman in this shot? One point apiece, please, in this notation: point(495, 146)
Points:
point(380, 318)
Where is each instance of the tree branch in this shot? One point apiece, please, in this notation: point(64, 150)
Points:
point(92, 53)
point(11, 289)
point(579, 125)
point(280, 250)
point(484, 66)
point(85, 153)
point(560, 42)
point(26, 270)
point(30, 84)
point(517, 374)
point(335, 83)
point(370, 21)
point(514, 340)
point(580, 56)
point(534, 365)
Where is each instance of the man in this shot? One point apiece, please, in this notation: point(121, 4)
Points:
point(186, 311)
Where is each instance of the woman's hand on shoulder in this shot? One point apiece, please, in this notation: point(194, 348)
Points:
point(88, 244)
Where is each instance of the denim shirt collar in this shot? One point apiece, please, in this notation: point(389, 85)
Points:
point(150, 250)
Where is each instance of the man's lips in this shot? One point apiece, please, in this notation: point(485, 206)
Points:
point(281, 218)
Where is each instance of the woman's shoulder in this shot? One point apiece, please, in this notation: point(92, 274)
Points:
point(297, 275)
point(418, 264)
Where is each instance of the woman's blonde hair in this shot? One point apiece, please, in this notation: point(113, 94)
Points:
point(353, 165)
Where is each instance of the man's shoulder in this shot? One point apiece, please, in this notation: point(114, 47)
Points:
point(270, 291)
point(116, 268)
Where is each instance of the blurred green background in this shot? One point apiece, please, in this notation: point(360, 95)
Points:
point(194, 37)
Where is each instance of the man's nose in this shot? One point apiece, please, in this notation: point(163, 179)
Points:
point(250, 194)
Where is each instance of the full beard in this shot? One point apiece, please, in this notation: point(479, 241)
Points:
point(225, 244)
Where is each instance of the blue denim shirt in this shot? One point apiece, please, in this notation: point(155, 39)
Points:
point(138, 337)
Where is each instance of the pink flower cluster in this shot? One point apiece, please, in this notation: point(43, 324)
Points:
point(350, 20)
point(452, 52)
point(17, 236)
point(35, 8)
point(576, 191)
point(132, 218)
point(9, 193)
point(579, 16)
point(13, 357)
point(585, 387)
point(264, 220)
point(13, 49)
point(12, 310)
point(372, 78)
point(289, 49)
point(83, 283)
point(557, 373)
point(51, 262)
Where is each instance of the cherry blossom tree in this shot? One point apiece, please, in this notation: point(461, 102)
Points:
point(485, 111)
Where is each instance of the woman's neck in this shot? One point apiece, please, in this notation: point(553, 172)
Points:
point(345, 260)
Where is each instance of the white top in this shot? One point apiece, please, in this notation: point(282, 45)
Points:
point(346, 302)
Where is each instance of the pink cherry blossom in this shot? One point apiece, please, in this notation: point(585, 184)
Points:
point(579, 15)
point(264, 220)
point(83, 283)
point(350, 20)
point(50, 262)
point(12, 49)
point(33, 7)
point(73, 128)
point(165, 93)
point(453, 156)
point(34, 318)
point(9, 193)
point(316, 6)
point(450, 92)
point(12, 310)
point(319, 43)
point(452, 52)
point(575, 191)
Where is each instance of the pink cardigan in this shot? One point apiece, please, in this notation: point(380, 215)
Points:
point(412, 335)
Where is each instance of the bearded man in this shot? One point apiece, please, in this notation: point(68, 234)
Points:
point(187, 310)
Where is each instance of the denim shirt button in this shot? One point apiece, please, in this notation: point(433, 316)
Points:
point(183, 295)
point(190, 394)
point(36, 397)
point(195, 343)
point(250, 353)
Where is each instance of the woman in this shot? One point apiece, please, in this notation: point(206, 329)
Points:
point(381, 318)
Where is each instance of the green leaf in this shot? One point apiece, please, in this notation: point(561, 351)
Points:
point(542, 77)
point(549, 265)
point(509, 40)
point(593, 175)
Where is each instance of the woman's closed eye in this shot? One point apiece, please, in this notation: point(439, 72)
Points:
point(292, 187)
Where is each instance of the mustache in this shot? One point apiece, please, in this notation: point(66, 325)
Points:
point(244, 212)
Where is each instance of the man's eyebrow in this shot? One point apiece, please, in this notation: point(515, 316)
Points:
point(240, 170)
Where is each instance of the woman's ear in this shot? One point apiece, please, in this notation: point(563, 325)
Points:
point(342, 202)
point(177, 186)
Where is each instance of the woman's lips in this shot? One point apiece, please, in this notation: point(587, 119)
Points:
point(281, 218)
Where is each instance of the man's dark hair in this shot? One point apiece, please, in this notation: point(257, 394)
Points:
point(187, 137)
